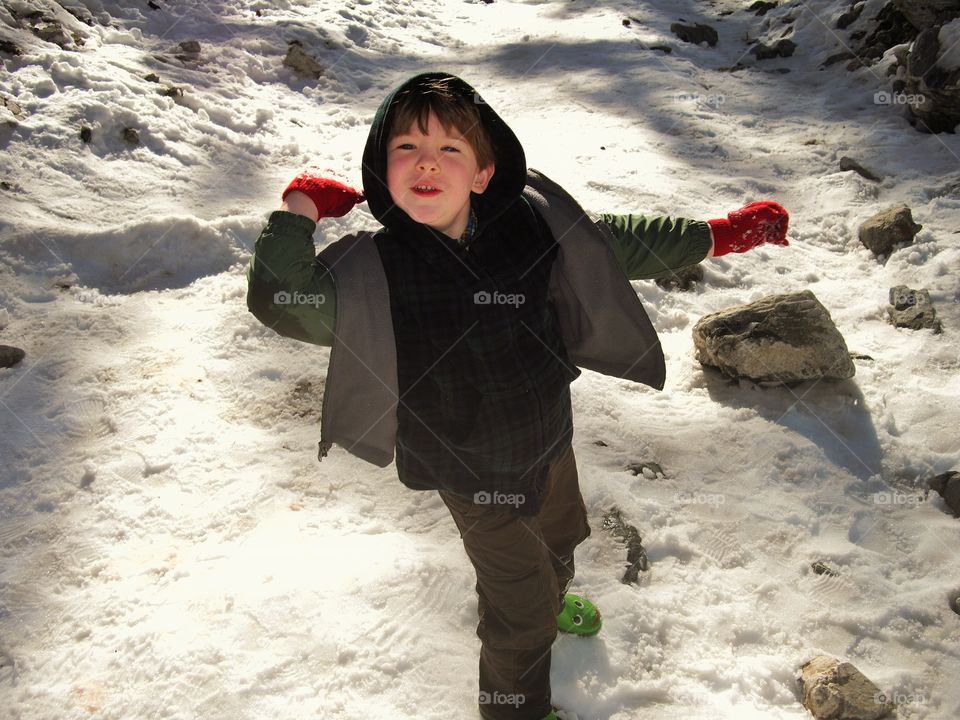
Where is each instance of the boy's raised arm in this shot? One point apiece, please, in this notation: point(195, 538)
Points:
point(288, 288)
point(650, 247)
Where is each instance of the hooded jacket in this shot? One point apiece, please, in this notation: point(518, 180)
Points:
point(481, 366)
point(382, 378)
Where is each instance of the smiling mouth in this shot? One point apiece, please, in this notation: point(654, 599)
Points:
point(425, 190)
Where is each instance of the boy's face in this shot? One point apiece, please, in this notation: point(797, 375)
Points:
point(430, 177)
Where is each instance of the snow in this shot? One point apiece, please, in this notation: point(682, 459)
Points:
point(169, 545)
point(949, 39)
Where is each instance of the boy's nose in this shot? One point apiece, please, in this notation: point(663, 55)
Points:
point(428, 162)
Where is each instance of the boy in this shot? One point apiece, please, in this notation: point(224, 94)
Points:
point(456, 331)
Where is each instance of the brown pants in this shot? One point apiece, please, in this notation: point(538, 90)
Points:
point(524, 566)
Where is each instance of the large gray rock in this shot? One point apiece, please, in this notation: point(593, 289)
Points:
point(779, 339)
point(834, 690)
point(884, 231)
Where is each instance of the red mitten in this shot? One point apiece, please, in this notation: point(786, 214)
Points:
point(332, 197)
point(754, 224)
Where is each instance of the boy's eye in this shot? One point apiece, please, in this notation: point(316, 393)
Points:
point(405, 146)
point(449, 148)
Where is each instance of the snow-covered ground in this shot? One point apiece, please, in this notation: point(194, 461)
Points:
point(169, 545)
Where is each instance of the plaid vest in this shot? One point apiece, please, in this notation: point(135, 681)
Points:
point(483, 373)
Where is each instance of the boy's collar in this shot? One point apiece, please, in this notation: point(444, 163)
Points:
point(470, 231)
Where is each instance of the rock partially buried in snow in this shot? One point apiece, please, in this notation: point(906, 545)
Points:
point(10, 356)
point(834, 690)
point(779, 339)
point(695, 34)
point(948, 486)
point(930, 81)
point(912, 309)
point(881, 233)
point(954, 600)
point(637, 561)
point(781, 48)
point(848, 163)
point(682, 279)
point(300, 62)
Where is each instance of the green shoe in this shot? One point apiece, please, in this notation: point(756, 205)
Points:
point(564, 715)
point(579, 616)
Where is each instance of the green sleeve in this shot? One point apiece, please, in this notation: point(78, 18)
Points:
point(288, 288)
point(652, 247)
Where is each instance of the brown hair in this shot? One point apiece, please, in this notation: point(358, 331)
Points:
point(453, 110)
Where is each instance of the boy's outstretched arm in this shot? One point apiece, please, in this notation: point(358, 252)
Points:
point(288, 288)
point(653, 247)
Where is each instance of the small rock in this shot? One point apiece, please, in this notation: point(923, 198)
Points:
point(300, 62)
point(86, 134)
point(649, 470)
point(153, 5)
point(887, 229)
point(190, 47)
point(682, 279)
point(600, 443)
point(172, 91)
point(834, 690)
point(847, 163)
point(850, 16)
point(131, 135)
point(954, 601)
point(821, 568)
point(9, 48)
point(781, 48)
point(695, 34)
point(152, 77)
point(912, 309)
point(948, 486)
point(761, 7)
point(10, 356)
point(838, 57)
point(637, 561)
point(666, 49)
point(53, 33)
point(777, 340)
point(14, 107)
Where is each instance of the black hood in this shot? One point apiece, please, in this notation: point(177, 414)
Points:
point(509, 177)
